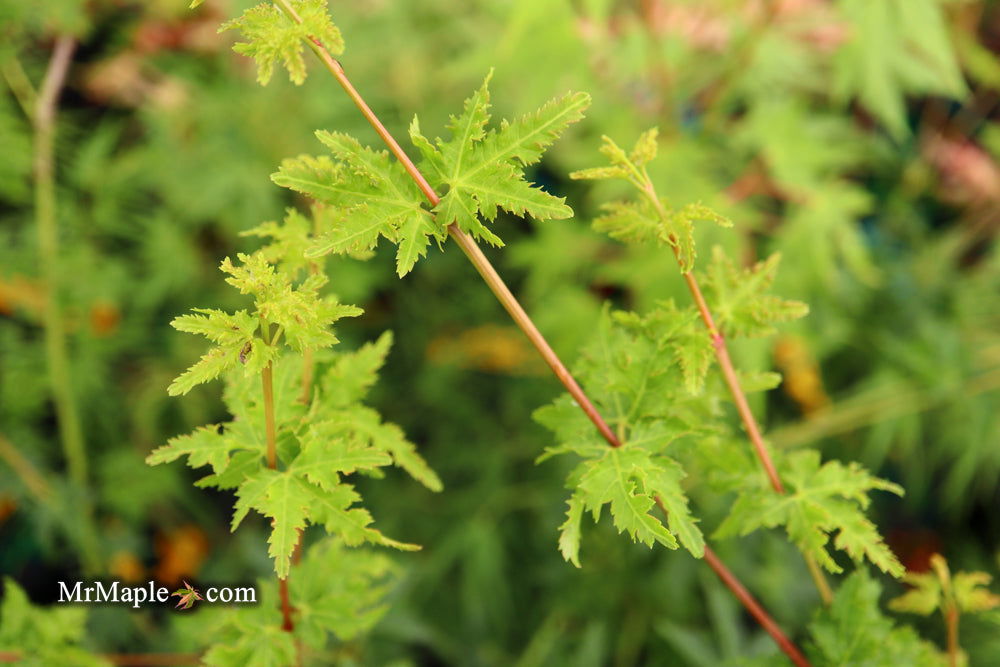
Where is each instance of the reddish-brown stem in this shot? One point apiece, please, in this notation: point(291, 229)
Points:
point(736, 391)
point(752, 606)
point(272, 462)
point(951, 621)
point(524, 322)
point(286, 606)
point(733, 382)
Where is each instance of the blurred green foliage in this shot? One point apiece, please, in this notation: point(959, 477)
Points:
point(858, 138)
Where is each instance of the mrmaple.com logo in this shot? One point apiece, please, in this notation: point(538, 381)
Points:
point(99, 592)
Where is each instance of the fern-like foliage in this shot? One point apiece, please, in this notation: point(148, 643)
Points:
point(634, 371)
point(272, 37)
point(634, 383)
point(342, 606)
point(740, 300)
point(374, 195)
point(854, 631)
point(821, 500)
point(480, 170)
point(318, 444)
point(41, 637)
point(245, 339)
point(650, 219)
point(939, 589)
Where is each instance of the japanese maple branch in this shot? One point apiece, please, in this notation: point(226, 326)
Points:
point(735, 389)
point(525, 323)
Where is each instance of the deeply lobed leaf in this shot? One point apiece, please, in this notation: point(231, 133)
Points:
point(854, 631)
point(821, 501)
point(273, 37)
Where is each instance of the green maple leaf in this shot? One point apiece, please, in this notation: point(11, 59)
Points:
point(374, 195)
point(352, 374)
point(332, 509)
point(300, 314)
point(897, 47)
point(344, 606)
point(647, 220)
point(681, 331)
point(289, 241)
point(233, 338)
point(967, 592)
point(482, 169)
point(252, 644)
point(629, 479)
point(273, 37)
point(42, 636)
point(363, 422)
point(304, 317)
point(329, 447)
point(854, 631)
point(821, 500)
point(208, 445)
point(286, 499)
point(739, 300)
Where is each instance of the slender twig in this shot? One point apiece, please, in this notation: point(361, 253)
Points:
point(951, 621)
point(733, 383)
point(759, 613)
point(270, 434)
point(56, 355)
point(267, 384)
point(527, 326)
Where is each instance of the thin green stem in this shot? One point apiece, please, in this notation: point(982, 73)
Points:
point(267, 383)
point(819, 579)
point(527, 326)
point(56, 354)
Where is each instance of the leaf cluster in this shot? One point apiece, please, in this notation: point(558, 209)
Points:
point(821, 500)
point(636, 383)
point(650, 219)
point(319, 444)
point(43, 636)
point(343, 606)
point(964, 592)
point(282, 309)
point(852, 630)
point(273, 36)
point(481, 171)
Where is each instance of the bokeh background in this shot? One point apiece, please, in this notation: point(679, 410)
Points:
point(859, 138)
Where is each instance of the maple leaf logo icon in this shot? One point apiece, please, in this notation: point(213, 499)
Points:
point(188, 596)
